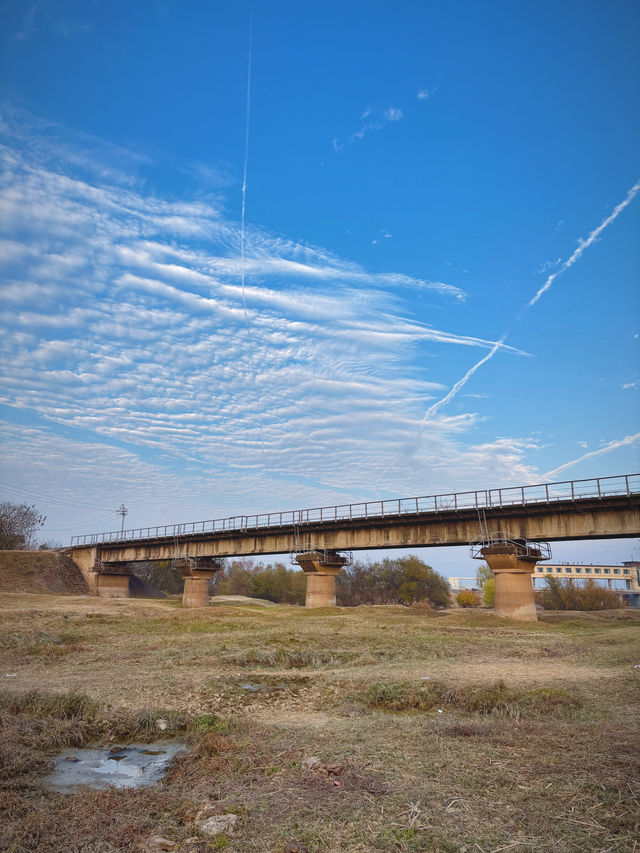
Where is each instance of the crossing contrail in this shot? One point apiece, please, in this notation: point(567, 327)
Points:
point(463, 381)
point(583, 244)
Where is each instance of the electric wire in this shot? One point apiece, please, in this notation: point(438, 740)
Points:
point(32, 494)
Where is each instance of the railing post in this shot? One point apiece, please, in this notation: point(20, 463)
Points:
point(522, 491)
point(598, 482)
point(546, 491)
point(573, 497)
point(627, 482)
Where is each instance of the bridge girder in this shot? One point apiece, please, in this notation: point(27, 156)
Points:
point(607, 518)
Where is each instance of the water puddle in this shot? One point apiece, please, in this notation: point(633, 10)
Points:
point(136, 765)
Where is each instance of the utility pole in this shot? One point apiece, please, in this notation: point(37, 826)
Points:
point(122, 510)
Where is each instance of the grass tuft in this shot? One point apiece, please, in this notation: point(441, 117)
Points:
point(496, 699)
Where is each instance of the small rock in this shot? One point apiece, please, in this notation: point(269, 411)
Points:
point(223, 824)
point(206, 810)
point(194, 845)
point(313, 764)
point(162, 724)
point(71, 758)
point(295, 847)
point(158, 843)
point(334, 769)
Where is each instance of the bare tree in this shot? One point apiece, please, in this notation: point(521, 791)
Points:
point(19, 524)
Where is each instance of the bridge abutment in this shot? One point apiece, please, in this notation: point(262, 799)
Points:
point(112, 584)
point(321, 569)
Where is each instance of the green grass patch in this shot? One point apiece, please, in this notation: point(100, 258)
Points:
point(495, 699)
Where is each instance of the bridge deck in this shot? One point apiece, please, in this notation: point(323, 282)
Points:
point(489, 505)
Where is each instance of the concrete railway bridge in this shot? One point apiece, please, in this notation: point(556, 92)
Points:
point(509, 528)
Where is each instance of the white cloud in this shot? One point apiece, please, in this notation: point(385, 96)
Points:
point(132, 343)
point(373, 120)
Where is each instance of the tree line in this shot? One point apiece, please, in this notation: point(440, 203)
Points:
point(405, 580)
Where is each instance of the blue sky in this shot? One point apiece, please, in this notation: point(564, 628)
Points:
point(416, 173)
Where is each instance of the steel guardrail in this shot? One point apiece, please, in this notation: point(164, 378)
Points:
point(480, 499)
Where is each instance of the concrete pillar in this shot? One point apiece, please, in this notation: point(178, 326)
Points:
point(321, 568)
point(196, 592)
point(512, 567)
point(112, 584)
point(197, 575)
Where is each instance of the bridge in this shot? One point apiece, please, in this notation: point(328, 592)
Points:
point(600, 508)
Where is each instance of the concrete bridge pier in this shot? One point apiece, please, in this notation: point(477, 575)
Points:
point(512, 564)
point(321, 569)
point(196, 574)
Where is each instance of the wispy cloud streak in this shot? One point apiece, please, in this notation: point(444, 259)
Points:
point(376, 120)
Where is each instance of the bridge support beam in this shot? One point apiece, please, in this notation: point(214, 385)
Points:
point(197, 575)
point(321, 569)
point(512, 568)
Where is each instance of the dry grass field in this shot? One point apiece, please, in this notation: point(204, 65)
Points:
point(456, 731)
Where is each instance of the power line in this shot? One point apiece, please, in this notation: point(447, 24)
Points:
point(40, 496)
point(90, 523)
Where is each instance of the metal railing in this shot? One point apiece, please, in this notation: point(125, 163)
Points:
point(485, 499)
point(524, 548)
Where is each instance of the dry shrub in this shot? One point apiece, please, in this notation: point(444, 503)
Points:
point(559, 595)
point(468, 598)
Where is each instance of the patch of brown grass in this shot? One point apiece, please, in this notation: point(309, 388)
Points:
point(544, 761)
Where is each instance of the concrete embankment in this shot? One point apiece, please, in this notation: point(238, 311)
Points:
point(40, 571)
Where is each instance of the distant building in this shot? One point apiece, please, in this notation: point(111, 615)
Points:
point(463, 583)
point(624, 578)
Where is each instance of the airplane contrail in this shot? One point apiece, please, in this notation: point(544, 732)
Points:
point(463, 381)
point(584, 244)
point(246, 161)
point(612, 445)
